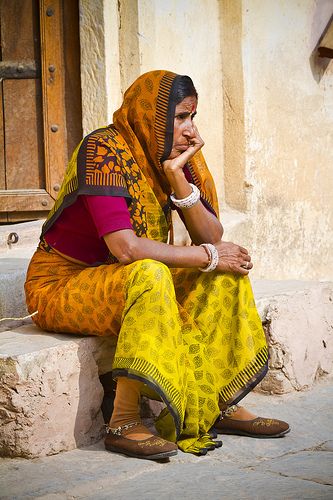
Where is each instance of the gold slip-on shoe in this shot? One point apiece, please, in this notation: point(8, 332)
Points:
point(258, 427)
point(152, 448)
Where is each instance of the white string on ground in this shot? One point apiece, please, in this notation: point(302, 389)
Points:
point(19, 319)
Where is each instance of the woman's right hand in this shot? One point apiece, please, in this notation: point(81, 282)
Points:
point(178, 159)
point(233, 258)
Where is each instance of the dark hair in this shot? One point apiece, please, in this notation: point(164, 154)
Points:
point(185, 88)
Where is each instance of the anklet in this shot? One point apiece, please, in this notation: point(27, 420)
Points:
point(118, 430)
point(229, 411)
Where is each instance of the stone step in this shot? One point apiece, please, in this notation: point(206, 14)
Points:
point(298, 320)
point(50, 391)
point(50, 395)
point(19, 238)
point(17, 244)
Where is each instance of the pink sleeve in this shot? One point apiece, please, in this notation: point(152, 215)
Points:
point(109, 213)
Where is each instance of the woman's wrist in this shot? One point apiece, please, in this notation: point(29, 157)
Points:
point(213, 258)
point(205, 257)
point(178, 183)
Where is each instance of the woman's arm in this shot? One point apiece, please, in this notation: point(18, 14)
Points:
point(201, 224)
point(127, 248)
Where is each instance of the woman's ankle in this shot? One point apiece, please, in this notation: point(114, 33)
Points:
point(134, 430)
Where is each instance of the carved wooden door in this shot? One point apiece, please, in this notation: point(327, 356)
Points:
point(40, 103)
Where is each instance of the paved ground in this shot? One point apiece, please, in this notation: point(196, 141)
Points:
point(300, 465)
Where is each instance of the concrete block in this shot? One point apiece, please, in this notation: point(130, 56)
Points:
point(50, 394)
point(27, 238)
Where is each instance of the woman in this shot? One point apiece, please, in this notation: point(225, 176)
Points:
point(185, 317)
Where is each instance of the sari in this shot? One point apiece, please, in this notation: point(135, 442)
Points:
point(195, 339)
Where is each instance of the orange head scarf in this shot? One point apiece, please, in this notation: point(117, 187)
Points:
point(145, 120)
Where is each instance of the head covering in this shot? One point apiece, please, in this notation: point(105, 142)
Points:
point(146, 121)
point(125, 158)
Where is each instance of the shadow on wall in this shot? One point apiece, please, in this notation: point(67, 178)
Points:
point(94, 393)
point(318, 60)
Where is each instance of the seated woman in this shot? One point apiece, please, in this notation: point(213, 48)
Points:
point(185, 317)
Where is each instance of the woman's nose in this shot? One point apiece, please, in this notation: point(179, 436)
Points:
point(189, 129)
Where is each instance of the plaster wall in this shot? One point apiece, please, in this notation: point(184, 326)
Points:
point(94, 96)
point(184, 37)
point(288, 107)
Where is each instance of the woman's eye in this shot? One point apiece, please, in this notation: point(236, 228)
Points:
point(182, 116)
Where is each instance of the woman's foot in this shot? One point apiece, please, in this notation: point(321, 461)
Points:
point(237, 420)
point(135, 440)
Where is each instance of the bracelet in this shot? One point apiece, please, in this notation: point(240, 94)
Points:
point(213, 258)
point(189, 201)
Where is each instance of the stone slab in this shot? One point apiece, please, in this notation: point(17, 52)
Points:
point(27, 233)
point(14, 261)
point(50, 394)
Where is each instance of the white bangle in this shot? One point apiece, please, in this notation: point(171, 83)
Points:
point(189, 201)
point(213, 258)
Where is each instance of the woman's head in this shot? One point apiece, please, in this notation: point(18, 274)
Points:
point(186, 99)
point(147, 116)
point(146, 121)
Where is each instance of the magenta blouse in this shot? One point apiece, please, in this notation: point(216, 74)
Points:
point(79, 230)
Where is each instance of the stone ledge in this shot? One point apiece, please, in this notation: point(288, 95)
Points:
point(28, 236)
point(50, 394)
point(12, 299)
point(298, 319)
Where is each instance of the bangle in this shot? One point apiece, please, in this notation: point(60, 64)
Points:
point(213, 258)
point(189, 201)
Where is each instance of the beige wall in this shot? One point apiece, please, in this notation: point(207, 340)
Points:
point(265, 110)
point(288, 108)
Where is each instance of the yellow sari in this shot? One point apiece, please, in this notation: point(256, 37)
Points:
point(193, 338)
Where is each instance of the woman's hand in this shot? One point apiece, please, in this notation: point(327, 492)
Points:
point(233, 258)
point(175, 165)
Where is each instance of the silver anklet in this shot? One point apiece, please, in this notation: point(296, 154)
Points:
point(118, 430)
point(229, 411)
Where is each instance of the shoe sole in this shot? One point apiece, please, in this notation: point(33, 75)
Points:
point(248, 434)
point(157, 456)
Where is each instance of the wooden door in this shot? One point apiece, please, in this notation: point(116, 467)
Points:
point(40, 108)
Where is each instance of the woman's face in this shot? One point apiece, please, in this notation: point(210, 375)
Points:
point(183, 131)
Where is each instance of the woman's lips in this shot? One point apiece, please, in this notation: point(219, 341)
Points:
point(182, 147)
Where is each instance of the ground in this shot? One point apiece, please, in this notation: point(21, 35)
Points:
point(299, 465)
